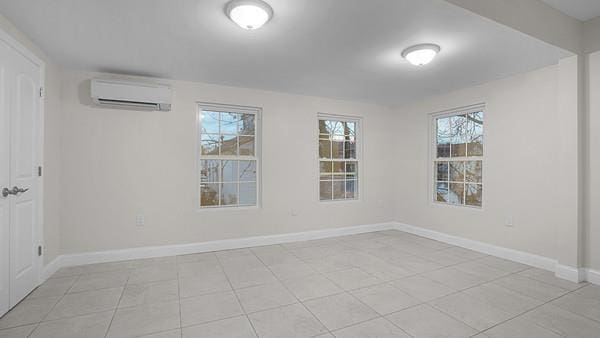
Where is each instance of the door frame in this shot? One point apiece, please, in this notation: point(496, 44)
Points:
point(39, 125)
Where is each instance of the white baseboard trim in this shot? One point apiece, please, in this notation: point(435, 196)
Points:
point(498, 251)
point(562, 271)
point(592, 276)
point(570, 273)
point(228, 244)
point(50, 268)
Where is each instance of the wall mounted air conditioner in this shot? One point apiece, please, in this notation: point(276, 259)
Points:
point(131, 95)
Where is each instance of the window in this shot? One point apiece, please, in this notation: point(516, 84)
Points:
point(338, 158)
point(458, 158)
point(228, 159)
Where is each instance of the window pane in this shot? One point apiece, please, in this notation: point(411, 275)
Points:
point(229, 123)
point(350, 128)
point(473, 171)
point(324, 149)
point(442, 192)
point(229, 194)
point(351, 186)
point(442, 171)
point(246, 145)
point(326, 166)
point(350, 149)
point(351, 170)
point(339, 190)
point(474, 193)
point(456, 194)
point(209, 144)
point(246, 124)
point(324, 127)
point(326, 169)
point(337, 149)
point(474, 134)
point(457, 171)
point(209, 195)
point(230, 171)
point(339, 167)
point(443, 137)
point(247, 170)
point(209, 122)
point(325, 190)
point(210, 170)
point(229, 145)
point(458, 126)
point(337, 127)
point(247, 193)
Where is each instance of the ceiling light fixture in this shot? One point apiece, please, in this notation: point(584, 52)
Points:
point(420, 55)
point(249, 14)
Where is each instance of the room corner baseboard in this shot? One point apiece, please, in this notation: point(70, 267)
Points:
point(228, 244)
point(562, 271)
point(50, 268)
point(570, 273)
point(592, 276)
point(489, 249)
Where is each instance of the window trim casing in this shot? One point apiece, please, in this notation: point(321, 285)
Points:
point(257, 111)
point(359, 120)
point(432, 158)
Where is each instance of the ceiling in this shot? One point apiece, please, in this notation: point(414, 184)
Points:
point(579, 9)
point(348, 49)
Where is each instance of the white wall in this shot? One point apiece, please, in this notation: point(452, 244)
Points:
point(592, 228)
point(523, 176)
point(116, 163)
point(51, 220)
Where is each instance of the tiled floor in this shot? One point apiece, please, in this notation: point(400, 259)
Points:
point(384, 284)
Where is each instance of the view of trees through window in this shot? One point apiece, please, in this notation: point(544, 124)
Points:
point(228, 162)
point(458, 164)
point(338, 160)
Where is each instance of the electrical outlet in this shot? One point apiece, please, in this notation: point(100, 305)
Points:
point(509, 222)
point(294, 212)
point(139, 220)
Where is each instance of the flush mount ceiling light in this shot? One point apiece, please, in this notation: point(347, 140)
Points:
point(420, 55)
point(249, 14)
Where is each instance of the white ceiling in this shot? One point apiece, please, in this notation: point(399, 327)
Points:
point(347, 49)
point(579, 9)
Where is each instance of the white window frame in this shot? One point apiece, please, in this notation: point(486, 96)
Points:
point(201, 106)
point(359, 125)
point(480, 107)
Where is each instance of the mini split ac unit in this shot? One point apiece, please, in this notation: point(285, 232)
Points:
point(131, 95)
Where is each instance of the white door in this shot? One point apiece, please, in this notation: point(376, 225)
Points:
point(21, 78)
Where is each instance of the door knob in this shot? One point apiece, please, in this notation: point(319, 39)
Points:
point(14, 191)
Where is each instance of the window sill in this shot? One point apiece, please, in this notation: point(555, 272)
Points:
point(233, 208)
point(456, 206)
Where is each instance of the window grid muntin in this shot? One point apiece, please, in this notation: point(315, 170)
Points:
point(241, 111)
point(349, 177)
point(476, 158)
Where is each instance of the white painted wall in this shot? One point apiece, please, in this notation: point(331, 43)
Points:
point(52, 134)
point(592, 226)
point(116, 163)
point(523, 175)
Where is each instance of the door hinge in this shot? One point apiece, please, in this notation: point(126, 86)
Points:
point(40, 171)
point(39, 250)
point(41, 91)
